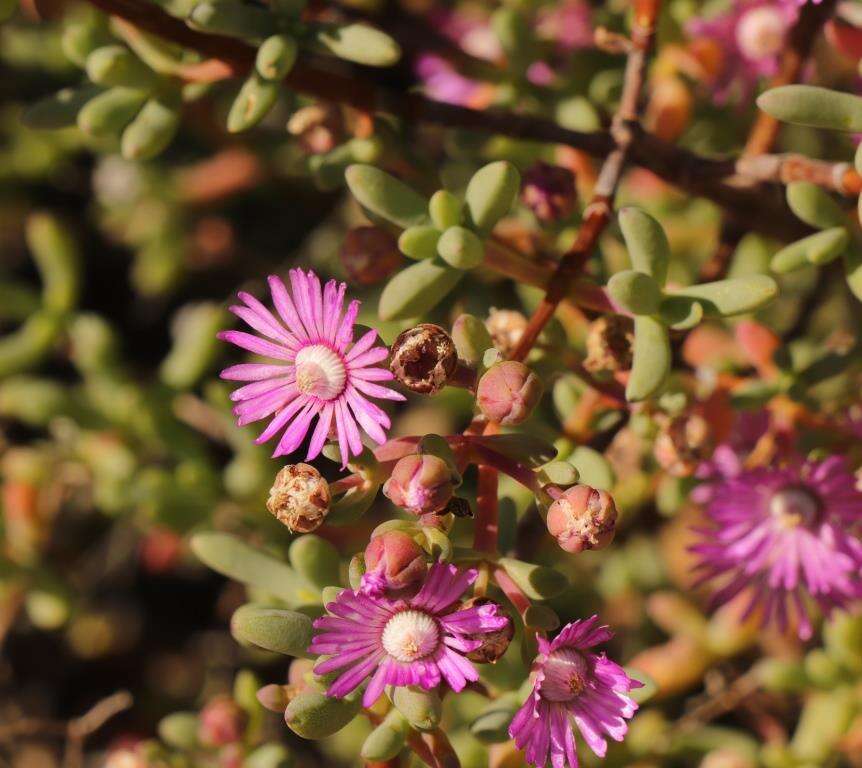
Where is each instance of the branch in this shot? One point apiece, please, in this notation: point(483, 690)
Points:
point(759, 207)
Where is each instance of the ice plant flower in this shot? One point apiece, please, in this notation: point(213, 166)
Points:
point(322, 373)
point(573, 687)
point(750, 36)
point(419, 640)
point(784, 535)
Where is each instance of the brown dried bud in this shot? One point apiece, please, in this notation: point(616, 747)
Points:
point(421, 484)
point(683, 443)
point(424, 358)
point(369, 255)
point(609, 344)
point(508, 392)
point(506, 327)
point(222, 721)
point(494, 644)
point(319, 128)
point(583, 518)
point(299, 498)
point(393, 560)
point(549, 191)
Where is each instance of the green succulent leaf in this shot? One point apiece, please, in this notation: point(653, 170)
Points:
point(525, 449)
point(276, 57)
point(115, 65)
point(635, 292)
point(536, 581)
point(387, 197)
point(680, 312)
point(180, 730)
point(58, 259)
point(594, 469)
point(460, 248)
point(819, 248)
point(814, 206)
point(813, 106)
point(422, 709)
point(445, 209)
point(110, 112)
point(316, 560)
point(417, 289)
point(734, 296)
point(59, 110)
point(359, 43)
point(491, 725)
point(314, 715)
point(491, 194)
point(651, 359)
point(853, 270)
point(387, 740)
point(419, 242)
point(647, 243)
point(228, 17)
point(253, 102)
point(471, 338)
point(151, 131)
point(273, 629)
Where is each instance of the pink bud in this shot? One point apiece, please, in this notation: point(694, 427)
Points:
point(508, 392)
point(393, 560)
point(420, 483)
point(222, 722)
point(549, 191)
point(583, 518)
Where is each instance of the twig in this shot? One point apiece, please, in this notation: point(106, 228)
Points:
point(80, 728)
point(598, 212)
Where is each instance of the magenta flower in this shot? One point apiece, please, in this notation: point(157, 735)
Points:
point(419, 640)
point(573, 687)
point(750, 36)
point(783, 536)
point(323, 374)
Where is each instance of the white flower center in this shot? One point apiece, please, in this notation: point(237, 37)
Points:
point(320, 372)
point(760, 32)
point(566, 673)
point(410, 635)
point(791, 507)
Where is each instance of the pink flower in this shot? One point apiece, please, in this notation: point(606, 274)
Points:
point(573, 687)
point(782, 535)
point(323, 374)
point(750, 35)
point(419, 640)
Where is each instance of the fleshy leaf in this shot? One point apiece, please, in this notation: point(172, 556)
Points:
point(635, 291)
point(276, 57)
point(734, 296)
point(594, 469)
point(536, 581)
point(151, 131)
point(853, 270)
point(316, 560)
point(314, 715)
point(491, 193)
point(491, 725)
point(647, 243)
point(819, 248)
point(460, 248)
point(387, 197)
point(813, 106)
point(254, 100)
point(813, 205)
point(60, 110)
point(526, 449)
point(680, 312)
point(273, 629)
point(651, 359)
point(422, 709)
point(111, 111)
point(419, 242)
point(417, 289)
point(359, 43)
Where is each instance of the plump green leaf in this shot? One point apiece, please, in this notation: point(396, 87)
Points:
point(734, 296)
point(419, 242)
point(460, 248)
point(387, 197)
point(387, 739)
point(491, 725)
point(825, 718)
point(234, 558)
point(56, 254)
point(195, 344)
point(635, 292)
point(471, 338)
point(680, 312)
point(647, 243)
point(417, 289)
point(115, 65)
point(253, 102)
point(276, 57)
point(422, 709)
point(359, 43)
point(314, 715)
point(814, 206)
point(853, 270)
point(316, 560)
point(151, 131)
point(536, 581)
point(273, 629)
point(648, 688)
point(445, 209)
point(651, 359)
point(271, 755)
point(228, 17)
point(594, 469)
point(59, 110)
point(813, 106)
point(180, 730)
point(491, 193)
point(109, 112)
point(541, 617)
point(526, 449)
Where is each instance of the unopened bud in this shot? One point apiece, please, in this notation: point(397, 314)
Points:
point(222, 721)
point(369, 255)
point(494, 644)
point(549, 191)
point(394, 561)
point(274, 697)
point(683, 442)
point(583, 518)
point(319, 128)
point(299, 498)
point(609, 344)
point(508, 392)
point(424, 358)
point(506, 327)
point(421, 484)
point(727, 757)
point(231, 756)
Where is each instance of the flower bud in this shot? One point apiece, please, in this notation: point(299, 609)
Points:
point(424, 358)
point(506, 327)
point(508, 392)
point(683, 442)
point(230, 756)
point(420, 483)
point(222, 721)
point(494, 644)
point(582, 518)
point(393, 560)
point(319, 128)
point(549, 191)
point(369, 255)
point(299, 498)
point(609, 344)
point(274, 697)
